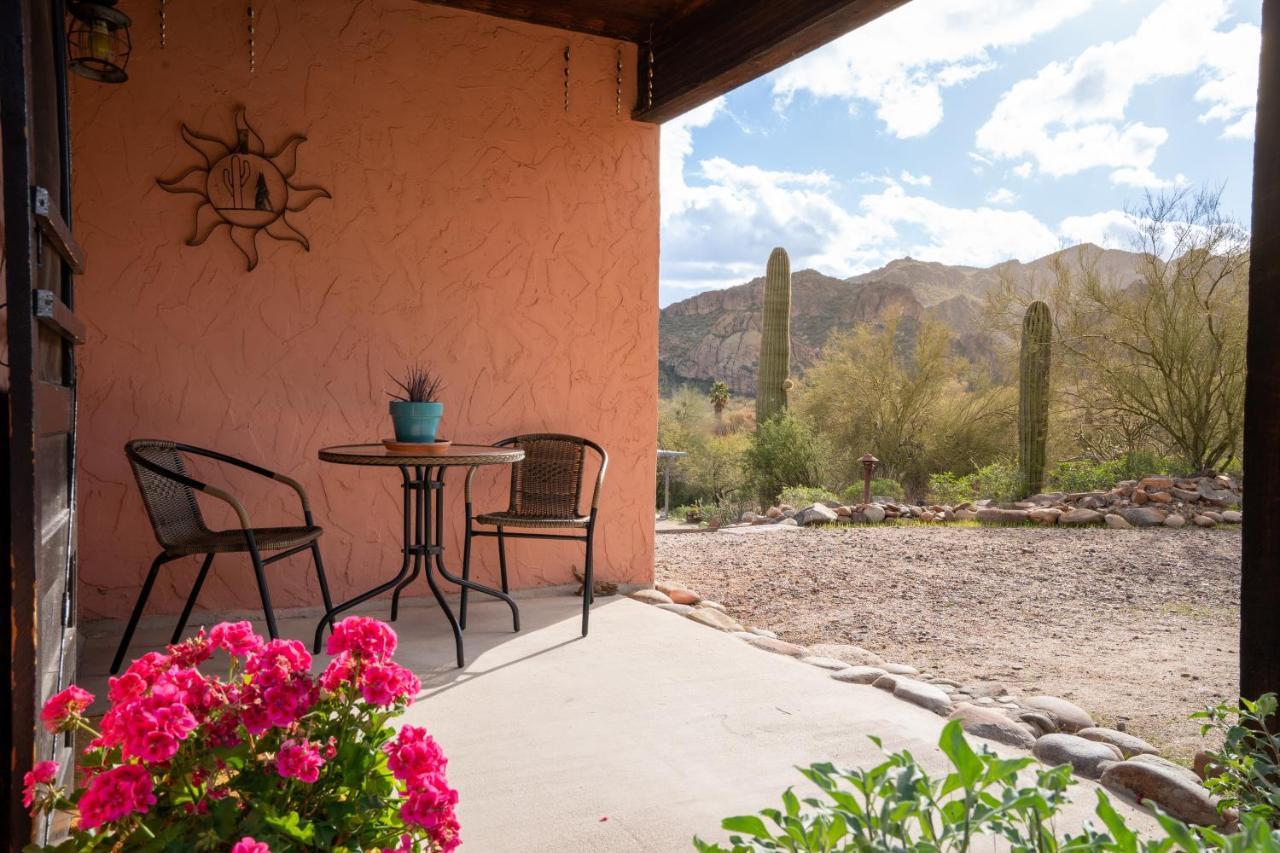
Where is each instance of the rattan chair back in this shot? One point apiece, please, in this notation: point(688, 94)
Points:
point(547, 483)
point(171, 505)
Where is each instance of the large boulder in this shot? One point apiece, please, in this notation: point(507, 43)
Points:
point(923, 694)
point(873, 513)
point(1044, 515)
point(858, 674)
point(1087, 758)
point(996, 515)
point(1129, 745)
point(1184, 798)
point(993, 725)
point(1142, 516)
point(1080, 517)
point(1069, 716)
point(816, 514)
point(651, 596)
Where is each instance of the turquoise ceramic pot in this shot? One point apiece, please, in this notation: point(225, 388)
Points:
point(416, 422)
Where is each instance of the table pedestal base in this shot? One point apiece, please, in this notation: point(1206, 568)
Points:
point(423, 534)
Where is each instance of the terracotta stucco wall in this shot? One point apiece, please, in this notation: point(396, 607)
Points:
point(474, 224)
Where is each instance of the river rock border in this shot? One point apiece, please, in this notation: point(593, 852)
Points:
point(1054, 730)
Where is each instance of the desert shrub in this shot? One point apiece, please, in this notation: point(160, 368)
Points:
point(1247, 768)
point(899, 806)
point(785, 451)
point(880, 487)
point(801, 496)
point(1085, 475)
point(998, 481)
point(949, 488)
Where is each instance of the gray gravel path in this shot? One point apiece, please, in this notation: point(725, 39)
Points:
point(1138, 625)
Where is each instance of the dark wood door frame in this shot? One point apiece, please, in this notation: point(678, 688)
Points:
point(1260, 560)
point(38, 389)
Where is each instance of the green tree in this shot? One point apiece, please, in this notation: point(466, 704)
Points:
point(900, 393)
point(785, 451)
point(1164, 355)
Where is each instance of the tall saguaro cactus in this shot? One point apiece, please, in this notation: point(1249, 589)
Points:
point(1033, 397)
point(772, 379)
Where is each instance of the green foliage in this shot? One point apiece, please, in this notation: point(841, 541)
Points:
point(785, 451)
point(802, 496)
point(1247, 768)
point(1084, 475)
point(999, 481)
point(1033, 397)
point(714, 468)
point(898, 806)
point(901, 394)
point(880, 487)
point(773, 376)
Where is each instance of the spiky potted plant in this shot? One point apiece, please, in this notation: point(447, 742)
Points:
point(416, 410)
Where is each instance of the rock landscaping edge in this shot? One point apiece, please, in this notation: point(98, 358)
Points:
point(1054, 730)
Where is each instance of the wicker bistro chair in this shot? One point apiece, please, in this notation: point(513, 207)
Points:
point(546, 493)
point(169, 495)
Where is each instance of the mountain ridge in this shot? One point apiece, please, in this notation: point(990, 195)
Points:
point(715, 335)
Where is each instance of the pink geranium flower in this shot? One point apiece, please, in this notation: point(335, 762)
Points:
point(237, 638)
point(44, 773)
point(414, 755)
point(116, 793)
point(62, 711)
point(299, 759)
point(431, 807)
point(367, 638)
point(249, 845)
point(386, 683)
point(340, 671)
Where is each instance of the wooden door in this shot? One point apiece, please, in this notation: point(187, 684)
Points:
point(38, 387)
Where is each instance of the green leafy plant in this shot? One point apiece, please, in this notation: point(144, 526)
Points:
point(1245, 773)
point(802, 496)
point(785, 452)
point(951, 489)
point(898, 806)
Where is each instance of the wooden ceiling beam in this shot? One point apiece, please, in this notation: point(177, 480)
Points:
point(722, 44)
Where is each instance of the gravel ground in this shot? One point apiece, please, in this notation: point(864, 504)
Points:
point(1135, 626)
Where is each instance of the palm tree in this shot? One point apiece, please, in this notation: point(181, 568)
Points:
point(719, 397)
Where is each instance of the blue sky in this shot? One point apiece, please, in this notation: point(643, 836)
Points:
point(966, 132)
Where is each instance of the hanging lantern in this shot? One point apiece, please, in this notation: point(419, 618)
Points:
point(98, 44)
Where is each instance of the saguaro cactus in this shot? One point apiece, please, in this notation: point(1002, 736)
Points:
point(772, 379)
point(1033, 397)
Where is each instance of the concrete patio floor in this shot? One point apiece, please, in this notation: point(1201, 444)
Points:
point(635, 738)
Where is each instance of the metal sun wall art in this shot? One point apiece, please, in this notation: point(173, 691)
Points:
point(244, 188)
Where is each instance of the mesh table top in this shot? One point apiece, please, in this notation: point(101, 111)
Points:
point(454, 455)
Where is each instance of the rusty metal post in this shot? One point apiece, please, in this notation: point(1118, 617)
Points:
point(868, 466)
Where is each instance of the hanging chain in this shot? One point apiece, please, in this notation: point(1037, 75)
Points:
point(650, 64)
point(617, 106)
point(566, 78)
point(163, 25)
point(253, 48)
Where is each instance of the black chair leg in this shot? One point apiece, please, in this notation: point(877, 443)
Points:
point(466, 573)
point(260, 571)
point(588, 584)
point(137, 611)
point(191, 599)
point(320, 576)
point(502, 559)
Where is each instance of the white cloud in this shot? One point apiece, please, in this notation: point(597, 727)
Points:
point(900, 62)
point(676, 146)
point(1004, 195)
point(1071, 116)
point(1110, 229)
point(1023, 170)
point(916, 180)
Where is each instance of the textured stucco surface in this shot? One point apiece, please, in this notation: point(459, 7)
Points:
point(474, 224)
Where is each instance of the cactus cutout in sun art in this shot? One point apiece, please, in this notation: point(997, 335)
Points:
point(1033, 397)
point(773, 378)
point(245, 188)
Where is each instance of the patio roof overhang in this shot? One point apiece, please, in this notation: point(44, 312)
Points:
point(695, 49)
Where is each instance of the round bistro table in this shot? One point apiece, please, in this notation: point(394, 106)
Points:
point(423, 477)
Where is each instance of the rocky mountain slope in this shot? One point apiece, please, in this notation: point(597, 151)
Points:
point(716, 335)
